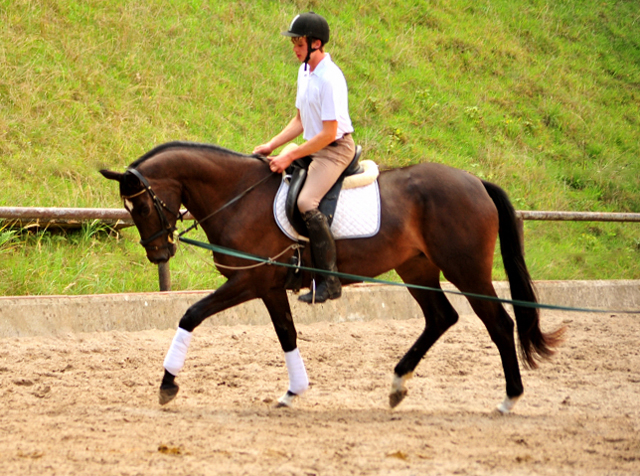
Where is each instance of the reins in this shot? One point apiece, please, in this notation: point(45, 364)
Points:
point(228, 204)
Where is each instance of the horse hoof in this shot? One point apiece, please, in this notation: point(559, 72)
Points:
point(398, 389)
point(168, 393)
point(396, 397)
point(286, 401)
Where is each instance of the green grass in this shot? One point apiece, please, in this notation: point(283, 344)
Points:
point(541, 98)
point(94, 259)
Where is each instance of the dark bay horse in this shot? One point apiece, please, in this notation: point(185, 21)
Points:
point(434, 219)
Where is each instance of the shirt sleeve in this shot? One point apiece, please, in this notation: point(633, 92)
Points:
point(328, 107)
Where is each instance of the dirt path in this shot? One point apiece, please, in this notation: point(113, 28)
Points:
point(87, 404)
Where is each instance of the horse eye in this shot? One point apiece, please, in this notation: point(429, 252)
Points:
point(144, 210)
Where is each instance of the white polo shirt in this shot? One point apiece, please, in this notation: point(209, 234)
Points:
point(322, 96)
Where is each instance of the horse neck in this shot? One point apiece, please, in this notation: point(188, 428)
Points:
point(208, 179)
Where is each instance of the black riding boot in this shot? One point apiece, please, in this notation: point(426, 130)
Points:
point(323, 249)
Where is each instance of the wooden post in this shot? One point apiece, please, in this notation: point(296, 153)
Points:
point(164, 274)
point(520, 225)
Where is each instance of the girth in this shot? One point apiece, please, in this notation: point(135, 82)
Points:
point(328, 204)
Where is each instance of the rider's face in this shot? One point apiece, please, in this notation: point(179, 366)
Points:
point(300, 47)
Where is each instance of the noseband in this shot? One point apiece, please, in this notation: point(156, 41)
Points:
point(159, 205)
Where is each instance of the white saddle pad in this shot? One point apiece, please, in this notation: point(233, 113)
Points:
point(357, 214)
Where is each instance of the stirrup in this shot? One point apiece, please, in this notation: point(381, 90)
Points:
point(312, 293)
point(327, 289)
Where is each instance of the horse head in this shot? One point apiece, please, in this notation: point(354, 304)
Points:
point(154, 217)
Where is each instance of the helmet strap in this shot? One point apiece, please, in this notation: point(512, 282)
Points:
point(309, 51)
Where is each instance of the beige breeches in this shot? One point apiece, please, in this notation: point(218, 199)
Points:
point(327, 165)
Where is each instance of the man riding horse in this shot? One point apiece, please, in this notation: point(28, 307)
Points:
point(322, 118)
point(434, 221)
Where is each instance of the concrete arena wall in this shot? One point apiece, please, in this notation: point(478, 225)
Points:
point(56, 315)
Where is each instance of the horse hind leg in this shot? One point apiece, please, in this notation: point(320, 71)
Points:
point(501, 330)
point(439, 316)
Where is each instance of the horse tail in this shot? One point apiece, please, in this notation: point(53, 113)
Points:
point(534, 344)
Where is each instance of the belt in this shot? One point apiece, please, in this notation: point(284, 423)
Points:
point(335, 142)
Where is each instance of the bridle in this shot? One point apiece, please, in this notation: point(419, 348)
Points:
point(167, 228)
point(159, 205)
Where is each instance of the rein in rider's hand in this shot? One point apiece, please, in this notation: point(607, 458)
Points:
point(326, 136)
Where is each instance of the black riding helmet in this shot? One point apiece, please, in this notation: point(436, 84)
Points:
point(312, 26)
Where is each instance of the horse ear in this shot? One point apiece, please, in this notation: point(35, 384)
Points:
point(130, 181)
point(108, 174)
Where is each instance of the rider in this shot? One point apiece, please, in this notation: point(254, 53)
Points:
point(322, 118)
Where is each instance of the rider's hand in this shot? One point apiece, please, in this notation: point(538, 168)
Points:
point(279, 163)
point(263, 149)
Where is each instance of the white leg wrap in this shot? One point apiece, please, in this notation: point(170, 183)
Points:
point(298, 380)
point(398, 383)
point(507, 405)
point(174, 361)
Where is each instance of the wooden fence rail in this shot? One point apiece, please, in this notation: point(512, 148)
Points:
point(40, 217)
point(29, 217)
point(578, 216)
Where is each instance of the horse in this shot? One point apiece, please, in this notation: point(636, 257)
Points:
point(434, 219)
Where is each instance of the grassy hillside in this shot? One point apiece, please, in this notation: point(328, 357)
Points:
point(540, 98)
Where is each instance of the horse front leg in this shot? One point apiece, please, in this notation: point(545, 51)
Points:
point(277, 304)
point(228, 295)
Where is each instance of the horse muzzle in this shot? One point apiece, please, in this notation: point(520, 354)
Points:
point(161, 254)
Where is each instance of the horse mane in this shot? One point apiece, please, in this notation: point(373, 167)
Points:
point(188, 145)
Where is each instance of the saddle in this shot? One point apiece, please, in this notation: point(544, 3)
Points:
point(298, 173)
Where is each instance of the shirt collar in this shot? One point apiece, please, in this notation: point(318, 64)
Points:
point(322, 64)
